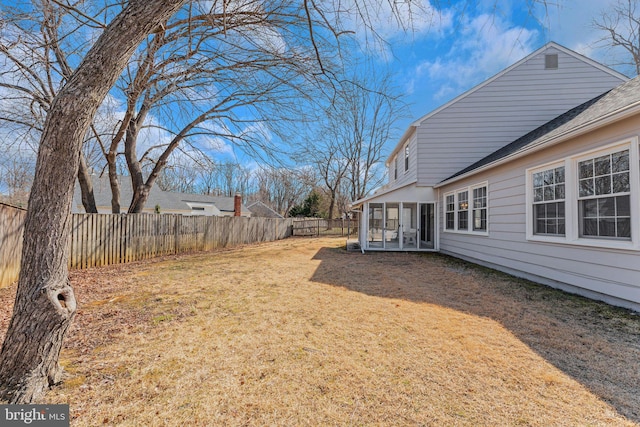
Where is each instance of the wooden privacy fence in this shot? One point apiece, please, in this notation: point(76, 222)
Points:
point(111, 239)
point(100, 239)
point(325, 227)
point(11, 222)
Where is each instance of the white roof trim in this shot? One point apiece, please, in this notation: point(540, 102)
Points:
point(549, 45)
point(386, 191)
point(474, 89)
point(403, 139)
point(605, 120)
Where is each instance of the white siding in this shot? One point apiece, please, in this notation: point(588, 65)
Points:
point(503, 110)
point(606, 271)
point(404, 177)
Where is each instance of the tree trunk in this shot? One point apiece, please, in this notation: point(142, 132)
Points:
point(45, 303)
point(113, 182)
point(332, 202)
point(86, 187)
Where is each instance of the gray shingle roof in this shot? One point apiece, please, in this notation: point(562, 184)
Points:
point(102, 193)
point(166, 200)
point(620, 98)
point(259, 209)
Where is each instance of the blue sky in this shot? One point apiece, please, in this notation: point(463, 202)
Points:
point(450, 49)
point(468, 42)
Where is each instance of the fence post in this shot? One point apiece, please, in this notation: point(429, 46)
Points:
point(176, 234)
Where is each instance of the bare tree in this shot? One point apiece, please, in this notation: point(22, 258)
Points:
point(620, 24)
point(37, 53)
point(364, 123)
point(45, 302)
point(179, 178)
point(350, 141)
point(16, 175)
point(192, 82)
point(326, 157)
point(283, 188)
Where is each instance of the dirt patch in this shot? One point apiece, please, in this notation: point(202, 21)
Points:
point(302, 332)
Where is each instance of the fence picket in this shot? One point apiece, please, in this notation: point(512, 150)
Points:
point(102, 239)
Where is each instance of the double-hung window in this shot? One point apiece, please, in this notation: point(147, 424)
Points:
point(395, 168)
point(463, 210)
point(480, 208)
point(466, 210)
point(406, 158)
point(604, 196)
point(450, 212)
point(591, 198)
point(548, 201)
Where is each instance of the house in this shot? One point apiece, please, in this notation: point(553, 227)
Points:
point(163, 201)
point(535, 172)
point(259, 209)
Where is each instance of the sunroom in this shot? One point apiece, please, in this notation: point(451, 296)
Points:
point(401, 220)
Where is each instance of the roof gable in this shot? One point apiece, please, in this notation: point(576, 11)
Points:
point(514, 73)
point(611, 104)
point(546, 47)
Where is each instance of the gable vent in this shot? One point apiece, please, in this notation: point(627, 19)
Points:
point(551, 61)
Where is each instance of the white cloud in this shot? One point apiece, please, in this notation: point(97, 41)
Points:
point(379, 25)
point(215, 144)
point(571, 24)
point(419, 18)
point(485, 45)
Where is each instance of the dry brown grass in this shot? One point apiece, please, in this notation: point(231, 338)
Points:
point(300, 332)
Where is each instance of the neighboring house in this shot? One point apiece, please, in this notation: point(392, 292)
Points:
point(167, 202)
point(259, 209)
point(535, 172)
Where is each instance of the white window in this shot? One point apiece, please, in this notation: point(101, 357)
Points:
point(591, 199)
point(395, 168)
point(480, 208)
point(604, 196)
point(450, 212)
point(466, 210)
point(463, 210)
point(406, 158)
point(548, 201)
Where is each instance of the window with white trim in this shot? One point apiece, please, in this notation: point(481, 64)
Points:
point(395, 168)
point(480, 208)
point(450, 215)
point(548, 201)
point(406, 157)
point(463, 210)
point(604, 196)
point(591, 199)
point(466, 209)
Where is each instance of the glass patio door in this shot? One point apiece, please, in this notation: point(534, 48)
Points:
point(376, 218)
point(392, 226)
point(427, 226)
point(409, 225)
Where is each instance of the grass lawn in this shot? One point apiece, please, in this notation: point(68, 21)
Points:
point(300, 332)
